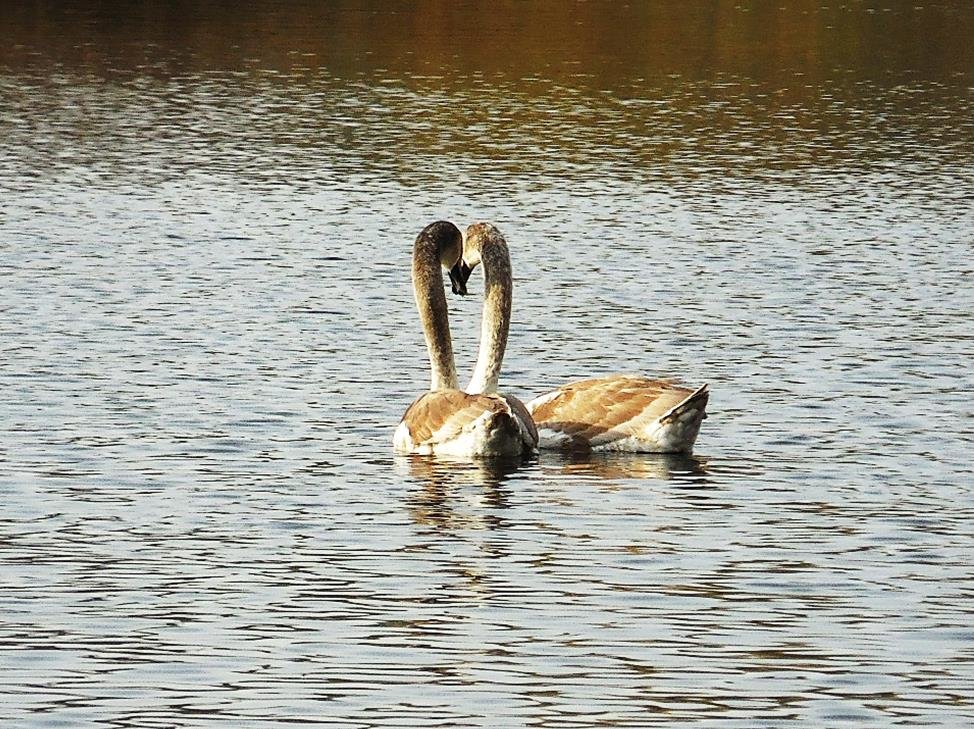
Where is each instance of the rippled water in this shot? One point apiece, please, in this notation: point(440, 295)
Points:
point(208, 337)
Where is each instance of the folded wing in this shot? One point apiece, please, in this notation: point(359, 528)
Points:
point(452, 422)
point(620, 412)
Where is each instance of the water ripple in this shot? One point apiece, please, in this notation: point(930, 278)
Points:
point(208, 336)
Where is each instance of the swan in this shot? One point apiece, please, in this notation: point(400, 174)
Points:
point(446, 420)
point(484, 243)
point(614, 413)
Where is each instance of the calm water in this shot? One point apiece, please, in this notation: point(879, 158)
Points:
point(208, 337)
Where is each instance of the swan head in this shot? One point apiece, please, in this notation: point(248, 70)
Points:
point(477, 237)
point(446, 240)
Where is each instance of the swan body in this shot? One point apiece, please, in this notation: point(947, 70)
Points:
point(445, 420)
point(620, 413)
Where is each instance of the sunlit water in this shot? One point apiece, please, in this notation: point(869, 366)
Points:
point(208, 336)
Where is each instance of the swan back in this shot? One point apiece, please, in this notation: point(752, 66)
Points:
point(620, 412)
point(452, 422)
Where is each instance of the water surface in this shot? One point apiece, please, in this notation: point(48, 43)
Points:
point(208, 337)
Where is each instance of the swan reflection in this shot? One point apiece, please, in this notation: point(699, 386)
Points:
point(691, 470)
point(458, 493)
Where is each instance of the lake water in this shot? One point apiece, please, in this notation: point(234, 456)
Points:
point(208, 337)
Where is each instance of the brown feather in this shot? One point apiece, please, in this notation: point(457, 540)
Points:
point(601, 410)
point(437, 417)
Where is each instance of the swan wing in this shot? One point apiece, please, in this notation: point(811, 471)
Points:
point(620, 412)
point(452, 422)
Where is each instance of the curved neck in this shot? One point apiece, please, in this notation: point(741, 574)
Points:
point(496, 317)
point(433, 313)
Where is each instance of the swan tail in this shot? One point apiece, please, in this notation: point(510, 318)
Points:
point(694, 407)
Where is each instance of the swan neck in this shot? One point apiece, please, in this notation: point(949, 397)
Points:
point(496, 318)
point(434, 315)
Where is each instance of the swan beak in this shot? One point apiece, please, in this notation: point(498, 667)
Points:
point(458, 277)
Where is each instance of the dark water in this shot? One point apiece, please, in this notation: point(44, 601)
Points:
point(208, 337)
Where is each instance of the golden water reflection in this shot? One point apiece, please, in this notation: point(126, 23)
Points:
point(540, 93)
point(596, 44)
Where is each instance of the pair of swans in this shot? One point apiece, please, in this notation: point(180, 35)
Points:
point(615, 413)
